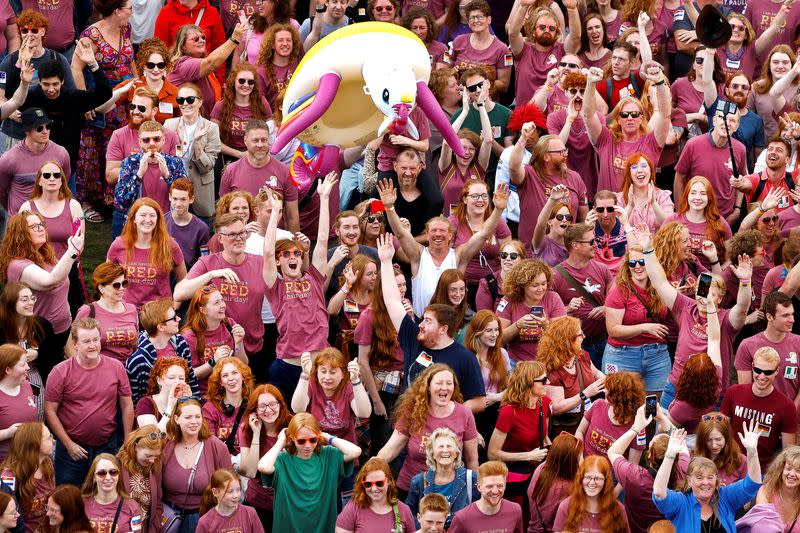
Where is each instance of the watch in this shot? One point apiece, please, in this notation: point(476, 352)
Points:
point(74, 256)
point(583, 396)
point(211, 362)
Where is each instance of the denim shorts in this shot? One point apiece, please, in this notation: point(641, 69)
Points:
point(651, 361)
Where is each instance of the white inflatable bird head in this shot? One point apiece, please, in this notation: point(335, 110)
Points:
point(392, 85)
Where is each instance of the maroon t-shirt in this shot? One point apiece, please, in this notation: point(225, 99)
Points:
point(119, 332)
point(243, 519)
point(786, 380)
point(613, 153)
point(488, 253)
point(333, 413)
point(470, 519)
point(221, 424)
point(36, 515)
point(358, 519)
point(635, 313)
point(51, 305)
point(16, 409)
point(102, 515)
point(219, 336)
point(521, 426)
point(697, 234)
point(496, 57)
point(125, 142)
point(59, 13)
point(571, 382)
point(256, 494)
point(362, 336)
point(242, 176)
point(239, 117)
point(602, 433)
point(590, 522)
point(581, 158)
point(388, 151)
point(145, 281)
point(532, 67)
point(596, 279)
point(524, 346)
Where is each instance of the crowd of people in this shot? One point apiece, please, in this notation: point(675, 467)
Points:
point(586, 323)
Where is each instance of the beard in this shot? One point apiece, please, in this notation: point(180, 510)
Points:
point(546, 40)
point(740, 99)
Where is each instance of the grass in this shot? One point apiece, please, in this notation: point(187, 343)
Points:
point(96, 245)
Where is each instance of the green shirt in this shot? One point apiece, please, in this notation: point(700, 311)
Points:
point(306, 490)
point(498, 118)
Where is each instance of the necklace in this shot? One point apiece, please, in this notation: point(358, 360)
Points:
point(193, 446)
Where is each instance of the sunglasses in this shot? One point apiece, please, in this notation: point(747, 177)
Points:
point(56, 176)
point(542, 27)
point(173, 318)
point(369, 484)
point(148, 140)
point(184, 399)
point(699, 60)
point(198, 38)
point(120, 284)
point(607, 209)
point(160, 65)
point(562, 218)
point(374, 218)
point(763, 371)
point(740, 27)
point(103, 473)
point(153, 436)
point(289, 253)
point(43, 127)
point(769, 220)
point(475, 87)
point(630, 114)
point(310, 440)
point(573, 91)
point(134, 107)
point(26, 31)
point(564, 64)
point(381, 9)
point(185, 100)
point(243, 81)
point(718, 418)
point(541, 380)
point(633, 262)
point(742, 86)
point(506, 255)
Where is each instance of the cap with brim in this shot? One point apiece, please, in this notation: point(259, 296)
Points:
point(33, 118)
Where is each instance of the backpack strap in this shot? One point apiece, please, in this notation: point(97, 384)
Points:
point(577, 286)
point(91, 310)
point(491, 282)
point(634, 81)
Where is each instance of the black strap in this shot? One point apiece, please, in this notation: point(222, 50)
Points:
point(235, 428)
point(610, 87)
point(763, 183)
point(646, 307)
point(692, 267)
point(116, 516)
point(91, 310)
point(577, 286)
point(541, 424)
point(494, 289)
point(308, 197)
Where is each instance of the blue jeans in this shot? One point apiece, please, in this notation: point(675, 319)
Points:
point(189, 523)
point(651, 361)
point(668, 395)
point(74, 472)
point(595, 347)
point(118, 222)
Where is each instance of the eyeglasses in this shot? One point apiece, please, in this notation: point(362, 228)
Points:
point(369, 484)
point(173, 318)
point(198, 38)
point(43, 127)
point(573, 91)
point(607, 209)
point(39, 226)
point(310, 440)
point(235, 236)
point(51, 175)
point(717, 417)
point(476, 18)
point(25, 31)
point(119, 284)
point(289, 253)
point(742, 86)
point(563, 151)
point(594, 479)
point(564, 64)
point(740, 27)
point(148, 140)
point(28, 299)
point(474, 87)
point(103, 473)
point(161, 65)
point(374, 218)
point(245, 81)
point(381, 9)
point(134, 107)
point(207, 289)
point(757, 370)
point(506, 255)
point(630, 114)
point(590, 242)
point(640, 166)
point(564, 218)
point(542, 380)
point(272, 406)
point(185, 100)
point(477, 197)
point(633, 262)
point(769, 220)
point(542, 27)
point(699, 60)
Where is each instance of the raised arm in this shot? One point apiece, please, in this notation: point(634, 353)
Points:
point(391, 293)
point(589, 110)
point(661, 482)
point(540, 96)
point(16, 101)
point(515, 23)
point(645, 52)
point(467, 251)
point(324, 188)
point(270, 265)
point(622, 443)
point(216, 58)
point(266, 465)
point(410, 247)
point(778, 88)
point(707, 77)
point(714, 333)
point(557, 194)
point(744, 271)
point(516, 167)
point(572, 44)
point(40, 279)
point(487, 139)
point(300, 397)
point(446, 155)
point(765, 41)
point(750, 443)
point(654, 73)
point(350, 451)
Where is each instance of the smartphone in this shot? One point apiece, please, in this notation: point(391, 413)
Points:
point(650, 405)
point(537, 311)
point(703, 285)
point(242, 17)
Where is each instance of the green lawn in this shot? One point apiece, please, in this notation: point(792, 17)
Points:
point(97, 243)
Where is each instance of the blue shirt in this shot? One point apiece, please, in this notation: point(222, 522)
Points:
point(750, 133)
point(683, 510)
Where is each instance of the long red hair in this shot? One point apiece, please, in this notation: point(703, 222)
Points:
point(611, 519)
point(256, 102)
point(715, 231)
point(498, 373)
point(196, 319)
point(284, 416)
point(17, 244)
point(160, 245)
point(627, 180)
point(216, 391)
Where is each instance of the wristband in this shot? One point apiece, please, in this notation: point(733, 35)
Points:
point(712, 263)
point(303, 377)
point(235, 41)
point(745, 281)
point(318, 10)
point(211, 362)
point(670, 456)
point(356, 383)
point(660, 83)
point(330, 440)
point(345, 289)
point(390, 208)
point(583, 396)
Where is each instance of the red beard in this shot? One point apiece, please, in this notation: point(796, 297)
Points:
point(546, 40)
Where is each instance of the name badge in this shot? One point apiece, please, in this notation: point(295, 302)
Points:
point(350, 307)
point(496, 132)
point(733, 63)
point(165, 108)
point(136, 523)
point(362, 12)
point(424, 359)
point(783, 203)
point(179, 151)
point(10, 481)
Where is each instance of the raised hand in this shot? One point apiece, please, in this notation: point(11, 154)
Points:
point(528, 130)
point(642, 20)
point(350, 277)
point(558, 193)
point(676, 441)
point(26, 72)
point(652, 71)
point(385, 248)
point(238, 31)
point(594, 76)
point(354, 370)
point(302, 241)
point(324, 187)
point(339, 254)
point(750, 438)
point(641, 420)
point(552, 76)
point(745, 268)
point(500, 197)
point(387, 193)
point(306, 363)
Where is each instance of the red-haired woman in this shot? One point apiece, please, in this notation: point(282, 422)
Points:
point(26, 256)
point(241, 101)
point(472, 210)
point(591, 505)
point(644, 203)
point(17, 404)
point(148, 254)
point(29, 463)
point(698, 211)
point(483, 338)
point(352, 300)
point(451, 290)
point(455, 171)
point(265, 417)
point(66, 512)
point(547, 242)
point(715, 441)
point(490, 288)
point(280, 53)
point(140, 460)
point(302, 457)
point(210, 334)
point(191, 456)
point(375, 506)
point(105, 499)
point(552, 481)
point(324, 392)
point(268, 14)
point(221, 510)
point(229, 388)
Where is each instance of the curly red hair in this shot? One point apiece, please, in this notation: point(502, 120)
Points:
point(698, 382)
point(160, 368)
point(413, 406)
point(17, 244)
point(625, 393)
point(216, 391)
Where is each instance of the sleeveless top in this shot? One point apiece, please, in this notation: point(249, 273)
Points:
point(423, 285)
point(59, 228)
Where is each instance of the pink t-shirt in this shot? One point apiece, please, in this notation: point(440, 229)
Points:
point(239, 118)
point(363, 337)
point(533, 194)
point(688, 416)
point(581, 158)
point(789, 219)
point(119, 332)
point(243, 519)
point(219, 336)
point(145, 281)
point(452, 180)
point(256, 494)
point(300, 313)
point(774, 279)
point(333, 413)
point(125, 141)
point(229, 11)
point(436, 51)
point(243, 299)
point(154, 186)
point(739, 473)
point(786, 380)
point(700, 157)
point(220, 425)
point(644, 214)
point(460, 421)
point(602, 433)
point(760, 14)
point(532, 66)
point(471, 520)
point(746, 62)
point(365, 520)
point(242, 176)
point(59, 227)
point(51, 305)
point(102, 515)
point(686, 97)
point(596, 279)
point(176, 479)
point(187, 69)
point(697, 234)
point(613, 153)
point(271, 89)
point(16, 409)
point(693, 338)
point(524, 346)
point(59, 13)
point(635, 313)
point(543, 513)
point(434, 7)
point(388, 151)
point(36, 515)
point(590, 522)
point(496, 57)
point(87, 398)
point(489, 252)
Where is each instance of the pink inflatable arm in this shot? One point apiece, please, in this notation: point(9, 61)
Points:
point(328, 85)
point(433, 111)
